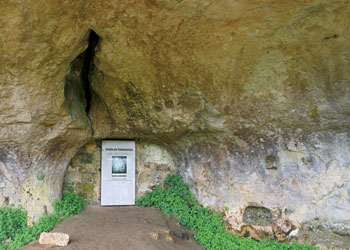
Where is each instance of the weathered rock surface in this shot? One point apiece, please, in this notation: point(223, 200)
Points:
point(54, 239)
point(249, 98)
point(83, 175)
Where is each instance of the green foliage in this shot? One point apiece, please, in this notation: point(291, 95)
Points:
point(176, 199)
point(70, 205)
point(13, 221)
point(45, 224)
point(42, 177)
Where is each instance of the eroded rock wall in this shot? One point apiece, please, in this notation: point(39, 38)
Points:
point(83, 175)
point(249, 99)
point(304, 175)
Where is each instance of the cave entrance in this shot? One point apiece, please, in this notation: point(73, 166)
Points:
point(118, 173)
point(83, 174)
point(152, 162)
point(103, 173)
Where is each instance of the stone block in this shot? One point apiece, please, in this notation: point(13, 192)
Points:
point(56, 239)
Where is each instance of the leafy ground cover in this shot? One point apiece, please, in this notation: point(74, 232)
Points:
point(176, 199)
point(13, 221)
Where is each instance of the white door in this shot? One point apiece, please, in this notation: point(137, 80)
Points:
point(118, 173)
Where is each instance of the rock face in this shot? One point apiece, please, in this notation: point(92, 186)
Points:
point(83, 175)
point(249, 99)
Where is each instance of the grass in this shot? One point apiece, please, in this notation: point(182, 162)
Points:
point(176, 199)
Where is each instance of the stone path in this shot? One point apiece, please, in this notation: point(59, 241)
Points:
point(124, 228)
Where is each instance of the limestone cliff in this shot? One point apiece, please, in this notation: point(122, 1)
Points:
point(250, 98)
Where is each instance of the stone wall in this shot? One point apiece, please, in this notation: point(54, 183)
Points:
point(83, 176)
point(153, 164)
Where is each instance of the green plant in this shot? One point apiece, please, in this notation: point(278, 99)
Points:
point(45, 224)
point(70, 205)
point(260, 222)
point(42, 177)
point(13, 221)
point(176, 199)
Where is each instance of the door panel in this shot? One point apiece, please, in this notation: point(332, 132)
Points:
point(118, 173)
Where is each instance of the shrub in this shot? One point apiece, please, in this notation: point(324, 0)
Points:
point(13, 221)
point(70, 205)
point(176, 199)
point(44, 224)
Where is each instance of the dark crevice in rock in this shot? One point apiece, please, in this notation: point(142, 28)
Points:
point(78, 91)
point(88, 57)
